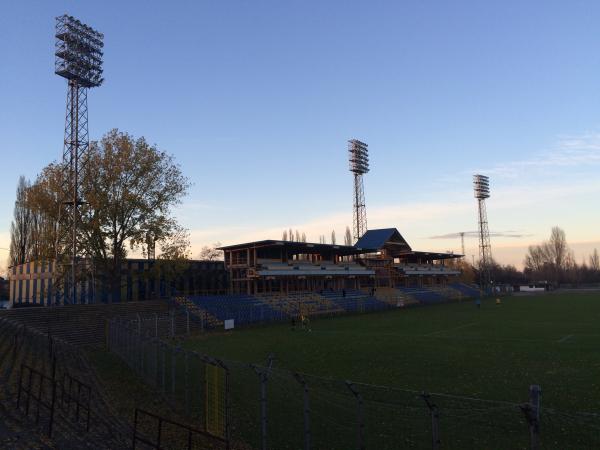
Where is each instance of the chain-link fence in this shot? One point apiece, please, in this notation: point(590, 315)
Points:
point(264, 407)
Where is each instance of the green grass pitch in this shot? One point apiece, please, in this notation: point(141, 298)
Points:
point(491, 353)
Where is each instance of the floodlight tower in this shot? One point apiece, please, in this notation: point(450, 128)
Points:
point(481, 186)
point(359, 165)
point(78, 58)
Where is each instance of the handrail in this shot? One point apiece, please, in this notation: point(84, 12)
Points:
point(156, 444)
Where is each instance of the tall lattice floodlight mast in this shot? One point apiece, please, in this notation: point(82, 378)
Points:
point(481, 186)
point(78, 58)
point(359, 165)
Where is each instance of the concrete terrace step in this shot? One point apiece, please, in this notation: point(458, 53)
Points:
point(80, 324)
point(18, 431)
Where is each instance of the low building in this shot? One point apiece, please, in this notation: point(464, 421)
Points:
point(33, 283)
point(3, 289)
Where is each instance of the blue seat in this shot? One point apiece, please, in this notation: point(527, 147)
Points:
point(465, 289)
point(242, 308)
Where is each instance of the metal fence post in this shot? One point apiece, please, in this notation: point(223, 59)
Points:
point(141, 340)
point(227, 404)
point(107, 334)
point(52, 406)
point(164, 367)
point(49, 344)
point(172, 323)
point(263, 377)
point(173, 364)
point(187, 381)
point(300, 379)
point(532, 414)
point(157, 362)
point(359, 415)
point(435, 421)
point(127, 344)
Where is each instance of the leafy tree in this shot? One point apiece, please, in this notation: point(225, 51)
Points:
point(130, 188)
point(173, 260)
point(44, 201)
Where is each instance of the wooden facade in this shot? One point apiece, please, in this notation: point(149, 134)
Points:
point(283, 266)
point(381, 258)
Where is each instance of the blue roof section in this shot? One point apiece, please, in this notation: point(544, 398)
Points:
point(376, 239)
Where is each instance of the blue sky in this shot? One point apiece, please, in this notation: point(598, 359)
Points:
point(257, 99)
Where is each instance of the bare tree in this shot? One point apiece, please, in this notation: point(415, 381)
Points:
point(551, 259)
point(348, 236)
point(535, 258)
point(333, 237)
point(285, 236)
point(297, 236)
point(595, 261)
point(291, 235)
point(20, 227)
point(558, 248)
point(211, 253)
point(303, 237)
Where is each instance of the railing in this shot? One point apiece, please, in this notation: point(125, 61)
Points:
point(43, 375)
point(77, 394)
point(181, 431)
point(34, 389)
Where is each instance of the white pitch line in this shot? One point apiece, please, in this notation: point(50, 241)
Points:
point(565, 338)
point(451, 329)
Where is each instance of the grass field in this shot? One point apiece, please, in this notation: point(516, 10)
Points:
point(492, 353)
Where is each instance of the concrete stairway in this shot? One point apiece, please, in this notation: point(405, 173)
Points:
point(200, 314)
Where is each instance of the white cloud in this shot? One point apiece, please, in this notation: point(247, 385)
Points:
point(571, 151)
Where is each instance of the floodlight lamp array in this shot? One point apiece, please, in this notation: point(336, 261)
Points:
point(359, 156)
point(78, 52)
point(481, 186)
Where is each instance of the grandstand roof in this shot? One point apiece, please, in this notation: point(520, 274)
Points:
point(301, 247)
point(396, 245)
point(434, 255)
point(377, 239)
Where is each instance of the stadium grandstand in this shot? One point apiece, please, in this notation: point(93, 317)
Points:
point(275, 280)
point(268, 280)
point(380, 258)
